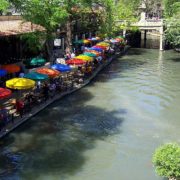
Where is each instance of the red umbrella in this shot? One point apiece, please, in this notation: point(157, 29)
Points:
point(102, 47)
point(75, 62)
point(50, 72)
point(4, 93)
point(11, 68)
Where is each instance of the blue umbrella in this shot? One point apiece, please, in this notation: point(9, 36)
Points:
point(36, 76)
point(61, 67)
point(2, 72)
point(92, 39)
point(96, 49)
point(113, 41)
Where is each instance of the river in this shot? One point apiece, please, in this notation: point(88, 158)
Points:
point(107, 130)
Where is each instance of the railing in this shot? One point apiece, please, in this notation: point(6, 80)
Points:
point(9, 18)
point(153, 20)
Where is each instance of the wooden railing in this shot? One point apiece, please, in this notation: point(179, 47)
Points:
point(10, 18)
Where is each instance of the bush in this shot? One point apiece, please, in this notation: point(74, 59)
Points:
point(166, 160)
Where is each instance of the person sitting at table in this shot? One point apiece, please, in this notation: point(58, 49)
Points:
point(20, 107)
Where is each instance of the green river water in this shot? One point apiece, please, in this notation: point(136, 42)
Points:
point(106, 131)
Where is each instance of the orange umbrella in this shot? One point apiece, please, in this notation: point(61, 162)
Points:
point(11, 68)
point(50, 72)
point(4, 93)
point(119, 39)
point(94, 52)
point(76, 62)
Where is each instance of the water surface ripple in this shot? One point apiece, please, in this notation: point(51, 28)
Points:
point(107, 130)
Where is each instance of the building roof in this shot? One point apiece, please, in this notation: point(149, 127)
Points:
point(14, 27)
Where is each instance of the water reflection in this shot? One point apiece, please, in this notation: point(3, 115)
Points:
point(116, 122)
point(54, 141)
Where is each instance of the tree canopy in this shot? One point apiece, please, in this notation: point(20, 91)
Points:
point(57, 13)
point(3, 5)
point(172, 15)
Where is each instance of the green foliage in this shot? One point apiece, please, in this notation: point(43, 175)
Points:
point(173, 30)
point(3, 5)
point(167, 160)
point(172, 15)
point(171, 7)
point(46, 13)
point(34, 41)
point(51, 14)
point(126, 10)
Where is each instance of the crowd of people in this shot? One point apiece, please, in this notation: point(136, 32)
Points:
point(43, 91)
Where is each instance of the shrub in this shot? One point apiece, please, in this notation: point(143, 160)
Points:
point(166, 160)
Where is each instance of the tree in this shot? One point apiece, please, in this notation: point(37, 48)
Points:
point(170, 7)
point(167, 160)
point(3, 5)
point(57, 13)
point(127, 10)
point(172, 32)
point(172, 15)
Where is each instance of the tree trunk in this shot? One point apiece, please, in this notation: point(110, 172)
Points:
point(68, 41)
point(49, 50)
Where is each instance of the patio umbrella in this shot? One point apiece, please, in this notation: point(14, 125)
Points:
point(3, 72)
point(103, 44)
point(50, 72)
point(5, 93)
point(75, 62)
point(93, 51)
point(35, 62)
point(84, 57)
point(101, 47)
point(120, 37)
point(82, 41)
point(98, 38)
point(11, 68)
point(96, 49)
point(20, 83)
point(61, 67)
point(92, 39)
point(90, 54)
point(36, 76)
point(114, 41)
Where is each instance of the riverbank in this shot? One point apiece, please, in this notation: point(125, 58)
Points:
point(18, 121)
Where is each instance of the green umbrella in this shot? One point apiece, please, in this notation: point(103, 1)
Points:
point(35, 62)
point(36, 76)
point(120, 37)
point(90, 54)
point(78, 42)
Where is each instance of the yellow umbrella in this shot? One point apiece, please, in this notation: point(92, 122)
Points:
point(103, 44)
point(20, 83)
point(84, 57)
